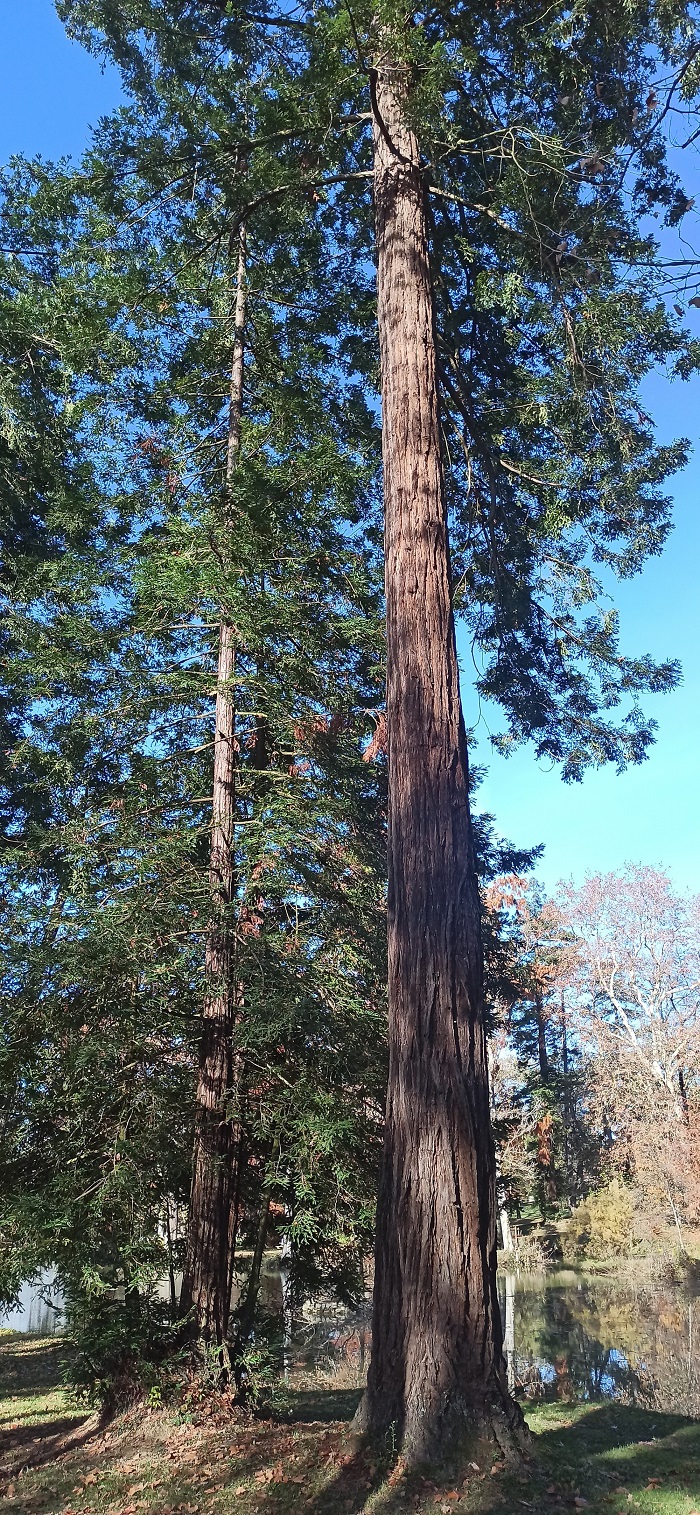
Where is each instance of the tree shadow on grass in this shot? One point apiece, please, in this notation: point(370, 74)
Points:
point(323, 1405)
point(29, 1364)
point(607, 1448)
point(31, 1445)
point(28, 1368)
point(625, 1447)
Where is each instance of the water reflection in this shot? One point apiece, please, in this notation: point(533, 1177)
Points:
point(566, 1337)
point(570, 1338)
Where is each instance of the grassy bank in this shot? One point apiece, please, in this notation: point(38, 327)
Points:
point(55, 1456)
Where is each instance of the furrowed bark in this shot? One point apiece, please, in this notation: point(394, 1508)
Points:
point(437, 1364)
point(206, 1285)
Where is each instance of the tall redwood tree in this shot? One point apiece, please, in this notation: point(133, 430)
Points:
point(437, 1343)
point(212, 1221)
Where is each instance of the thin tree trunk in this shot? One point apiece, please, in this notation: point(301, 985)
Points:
point(506, 1233)
point(287, 1301)
point(684, 1096)
point(246, 1314)
point(206, 1285)
point(567, 1098)
point(437, 1361)
point(541, 1040)
point(171, 1264)
point(509, 1331)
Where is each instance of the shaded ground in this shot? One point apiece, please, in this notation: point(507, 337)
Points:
point(188, 1460)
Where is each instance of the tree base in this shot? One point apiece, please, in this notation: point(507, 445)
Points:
point(447, 1432)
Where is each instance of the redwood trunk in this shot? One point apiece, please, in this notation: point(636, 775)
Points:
point(206, 1285)
point(437, 1364)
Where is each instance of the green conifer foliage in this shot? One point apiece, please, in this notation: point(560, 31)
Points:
point(542, 140)
point(119, 712)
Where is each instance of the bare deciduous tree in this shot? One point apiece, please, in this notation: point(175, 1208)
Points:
point(638, 976)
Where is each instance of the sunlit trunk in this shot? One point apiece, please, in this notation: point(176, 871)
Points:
point(437, 1361)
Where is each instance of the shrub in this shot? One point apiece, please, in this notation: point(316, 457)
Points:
point(528, 1256)
point(125, 1350)
point(258, 1366)
point(601, 1226)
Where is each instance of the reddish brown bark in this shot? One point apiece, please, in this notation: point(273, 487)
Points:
point(436, 1365)
point(206, 1285)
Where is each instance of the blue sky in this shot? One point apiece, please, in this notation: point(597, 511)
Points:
point(51, 93)
point(51, 90)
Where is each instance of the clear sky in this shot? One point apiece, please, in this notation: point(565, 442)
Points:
point(51, 90)
point(51, 93)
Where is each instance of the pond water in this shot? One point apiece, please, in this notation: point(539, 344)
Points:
point(567, 1337)
point(571, 1338)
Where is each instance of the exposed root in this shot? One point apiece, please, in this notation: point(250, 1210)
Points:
point(506, 1425)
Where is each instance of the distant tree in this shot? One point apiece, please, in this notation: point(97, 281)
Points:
point(548, 1147)
point(540, 962)
point(637, 1010)
point(638, 977)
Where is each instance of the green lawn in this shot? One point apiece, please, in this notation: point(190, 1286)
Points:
point(55, 1456)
